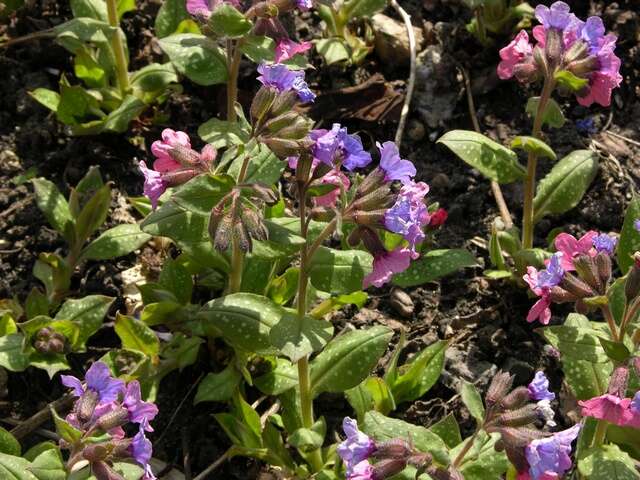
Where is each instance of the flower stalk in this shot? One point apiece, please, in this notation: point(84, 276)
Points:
point(122, 72)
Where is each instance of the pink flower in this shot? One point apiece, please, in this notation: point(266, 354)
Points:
point(386, 264)
point(540, 310)
point(287, 49)
point(162, 150)
point(606, 78)
point(361, 471)
point(613, 409)
point(571, 247)
point(154, 186)
point(514, 53)
point(334, 177)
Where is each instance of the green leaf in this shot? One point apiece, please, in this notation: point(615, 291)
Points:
point(284, 287)
point(264, 167)
point(567, 79)
point(154, 78)
point(245, 320)
point(227, 21)
point(95, 9)
point(448, 430)
point(36, 304)
point(339, 271)
point(68, 432)
point(258, 48)
point(11, 356)
point(616, 351)
point(492, 159)
point(93, 214)
point(125, 6)
point(566, 183)
point(203, 192)
point(629, 241)
point(221, 133)
point(333, 50)
point(9, 444)
point(382, 398)
point(218, 387)
point(87, 69)
point(382, 428)
point(53, 205)
point(14, 468)
point(171, 13)
point(307, 439)
point(180, 225)
point(281, 378)
point(87, 313)
point(296, 338)
point(136, 335)
point(483, 461)
point(534, 145)
point(196, 57)
point(49, 465)
point(47, 98)
point(420, 374)
point(472, 400)
point(348, 359)
point(607, 462)
point(495, 252)
point(116, 242)
point(176, 279)
point(433, 265)
point(579, 343)
point(118, 120)
point(552, 115)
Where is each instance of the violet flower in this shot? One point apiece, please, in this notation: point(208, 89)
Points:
point(541, 310)
point(394, 167)
point(409, 215)
point(161, 149)
point(282, 79)
point(552, 275)
point(557, 16)
point(361, 471)
point(356, 448)
point(539, 388)
point(141, 450)
point(139, 411)
point(549, 456)
point(336, 145)
point(605, 243)
point(154, 185)
point(385, 264)
point(98, 379)
point(304, 5)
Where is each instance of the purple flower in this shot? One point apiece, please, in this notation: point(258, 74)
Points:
point(141, 450)
point(605, 243)
point(337, 145)
point(553, 274)
point(204, 8)
point(139, 411)
point(304, 4)
point(409, 215)
point(635, 403)
point(557, 16)
point(586, 126)
point(394, 167)
point(356, 448)
point(636, 224)
point(551, 456)
point(385, 264)
point(98, 379)
point(154, 185)
point(361, 471)
point(282, 79)
point(592, 31)
point(539, 388)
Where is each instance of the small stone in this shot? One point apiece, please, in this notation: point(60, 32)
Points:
point(391, 39)
point(401, 302)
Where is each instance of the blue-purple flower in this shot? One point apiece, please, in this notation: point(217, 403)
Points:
point(557, 16)
point(154, 185)
point(394, 167)
point(141, 450)
point(139, 411)
point(409, 215)
point(304, 5)
point(539, 388)
point(586, 126)
point(282, 79)
point(636, 224)
point(635, 403)
point(98, 379)
point(552, 275)
point(605, 243)
point(551, 456)
point(357, 447)
point(336, 145)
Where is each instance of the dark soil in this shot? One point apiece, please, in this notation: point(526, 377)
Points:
point(484, 320)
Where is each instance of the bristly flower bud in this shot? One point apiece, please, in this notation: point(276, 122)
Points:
point(516, 399)
point(388, 468)
point(221, 236)
point(540, 59)
point(276, 124)
point(322, 214)
point(586, 269)
point(379, 198)
point(574, 285)
point(96, 452)
point(48, 341)
point(370, 183)
point(254, 224)
point(265, 193)
point(438, 473)
point(283, 147)
point(296, 130)
point(113, 419)
point(372, 218)
point(178, 177)
point(632, 284)
point(86, 405)
point(262, 102)
point(560, 295)
point(517, 418)
point(241, 235)
point(517, 437)
point(619, 381)
point(420, 460)
point(603, 266)
point(185, 156)
point(553, 46)
point(498, 389)
point(395, 448)
point(284, 102)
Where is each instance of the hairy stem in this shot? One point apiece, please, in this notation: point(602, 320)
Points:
point(234, 54)
point(606, 311)
point(532, 162)
point(118, 48)
point(600, 433)
point(237, 257)
point(467, 446)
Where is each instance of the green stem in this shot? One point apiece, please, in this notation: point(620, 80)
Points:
point(606, 311)
point(118, 48)
point(532, 161)
point(237, 257)
point(629, 314)
point(600, 433)
point(233, 66)
point(482, 29)
point(467, 446)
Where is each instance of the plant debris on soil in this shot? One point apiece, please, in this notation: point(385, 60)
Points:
point(483, 320)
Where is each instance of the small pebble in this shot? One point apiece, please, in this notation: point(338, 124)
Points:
point(401, 303)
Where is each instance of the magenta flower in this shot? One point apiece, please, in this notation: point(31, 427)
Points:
point(409, 215)
point(141, 450)
point(304, 5)
point(385, 264)
point(514, 54)
point(139, 411)
point(98, 379)
point(361, 471)
point(613, 409)
point(540, 310)
point(394, 167)
point(162, 150)
point(337, 146)
point(287, 49)
point(570, 247)
point(357, 446)
point(282, 79)
point(154, 185)
point(539, 388)
point(551, 457)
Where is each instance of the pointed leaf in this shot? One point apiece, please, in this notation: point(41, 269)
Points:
point(533, 145)
point(136, 335)
point(88, 313)
point(420, 374)
point(197, 57)
point(629, 237)
point(53, 205)
point(218, 387)
point(116, 242)
point(339, 271)
point(296, 338)
point(433, 265)
point(472, 400)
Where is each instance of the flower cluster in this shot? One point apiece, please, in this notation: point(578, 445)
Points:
point(105, 405)
point(565, 43)
point(176, 162)
point(589, 257)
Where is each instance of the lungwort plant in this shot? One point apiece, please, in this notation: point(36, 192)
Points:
point(570, 56)
point(497, 17)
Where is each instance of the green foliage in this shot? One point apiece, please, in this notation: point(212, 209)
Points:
point(533, 145)
point(339, 271)
point(196, 57)
point(227, 21)
point(472, 400)
point(629, 241)
point(552, 114)
point(434, 265)
point(607, 462)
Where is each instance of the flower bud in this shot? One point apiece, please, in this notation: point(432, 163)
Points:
point(282, 147)
point(49, 342)
point(221, 236)
point(632, 284)
point(262, 103)
point(371, 182)
point(284, 102)
point(86, 405)
point(376, 199)
point(578, 51)
point(560, 295)
point(499, 387)
point(517, 437)
point(553, 46)
point(322, 214)
point(577, 287)
point(102, 471)
point(541, 60)
point(517, 418)
point(619, 381)
point(582, 68)
point(438, 473)
point(420, 460)
point(516, 399)
point(388, 468)
point(586, 269)
point(526, 71)
point(265, 193)
point(96, 452)
point(395, 448)
point(603, 266)
point(372, 218)
point(254, 224)
point(185, 156)
point(241, 236)
point(113, 419)
point(371, 240)
point(178, 177)
point(278, 123)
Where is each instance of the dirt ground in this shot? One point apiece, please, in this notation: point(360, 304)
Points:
point(484, 320)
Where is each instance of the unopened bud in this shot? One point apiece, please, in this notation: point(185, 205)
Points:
point(379, 198)
point(578, 51)
point(297, 129)
point(603, 266)
point(86, 405)
point(282, 147)
point(560, 295)
point(372, 218)
point(540, 59)
point(574, 285)
point(113, 419)
point(222, 235)
point(388, 468)
point(121, 448)
point(241, 236)
point(102, 471)
point(438, 473)
point(516, 399)
point(582, 68)
point(517, 418)
point(185, 156)
point(526, 72)
point(323, 214)
point(499, 387)
point(278, 123)
point(619, 381)
point(420, 460)
point(632, 284)
point(517, 437)
point(284, 102)
point(262, 103)
point(49, 341)
point(254, 224)
point(371, 241)
point(553, 46)
point(586, 269)
point(178, 177)
point(265, 193)
point(371, 182)
point(395, 448)
point(95, 452)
